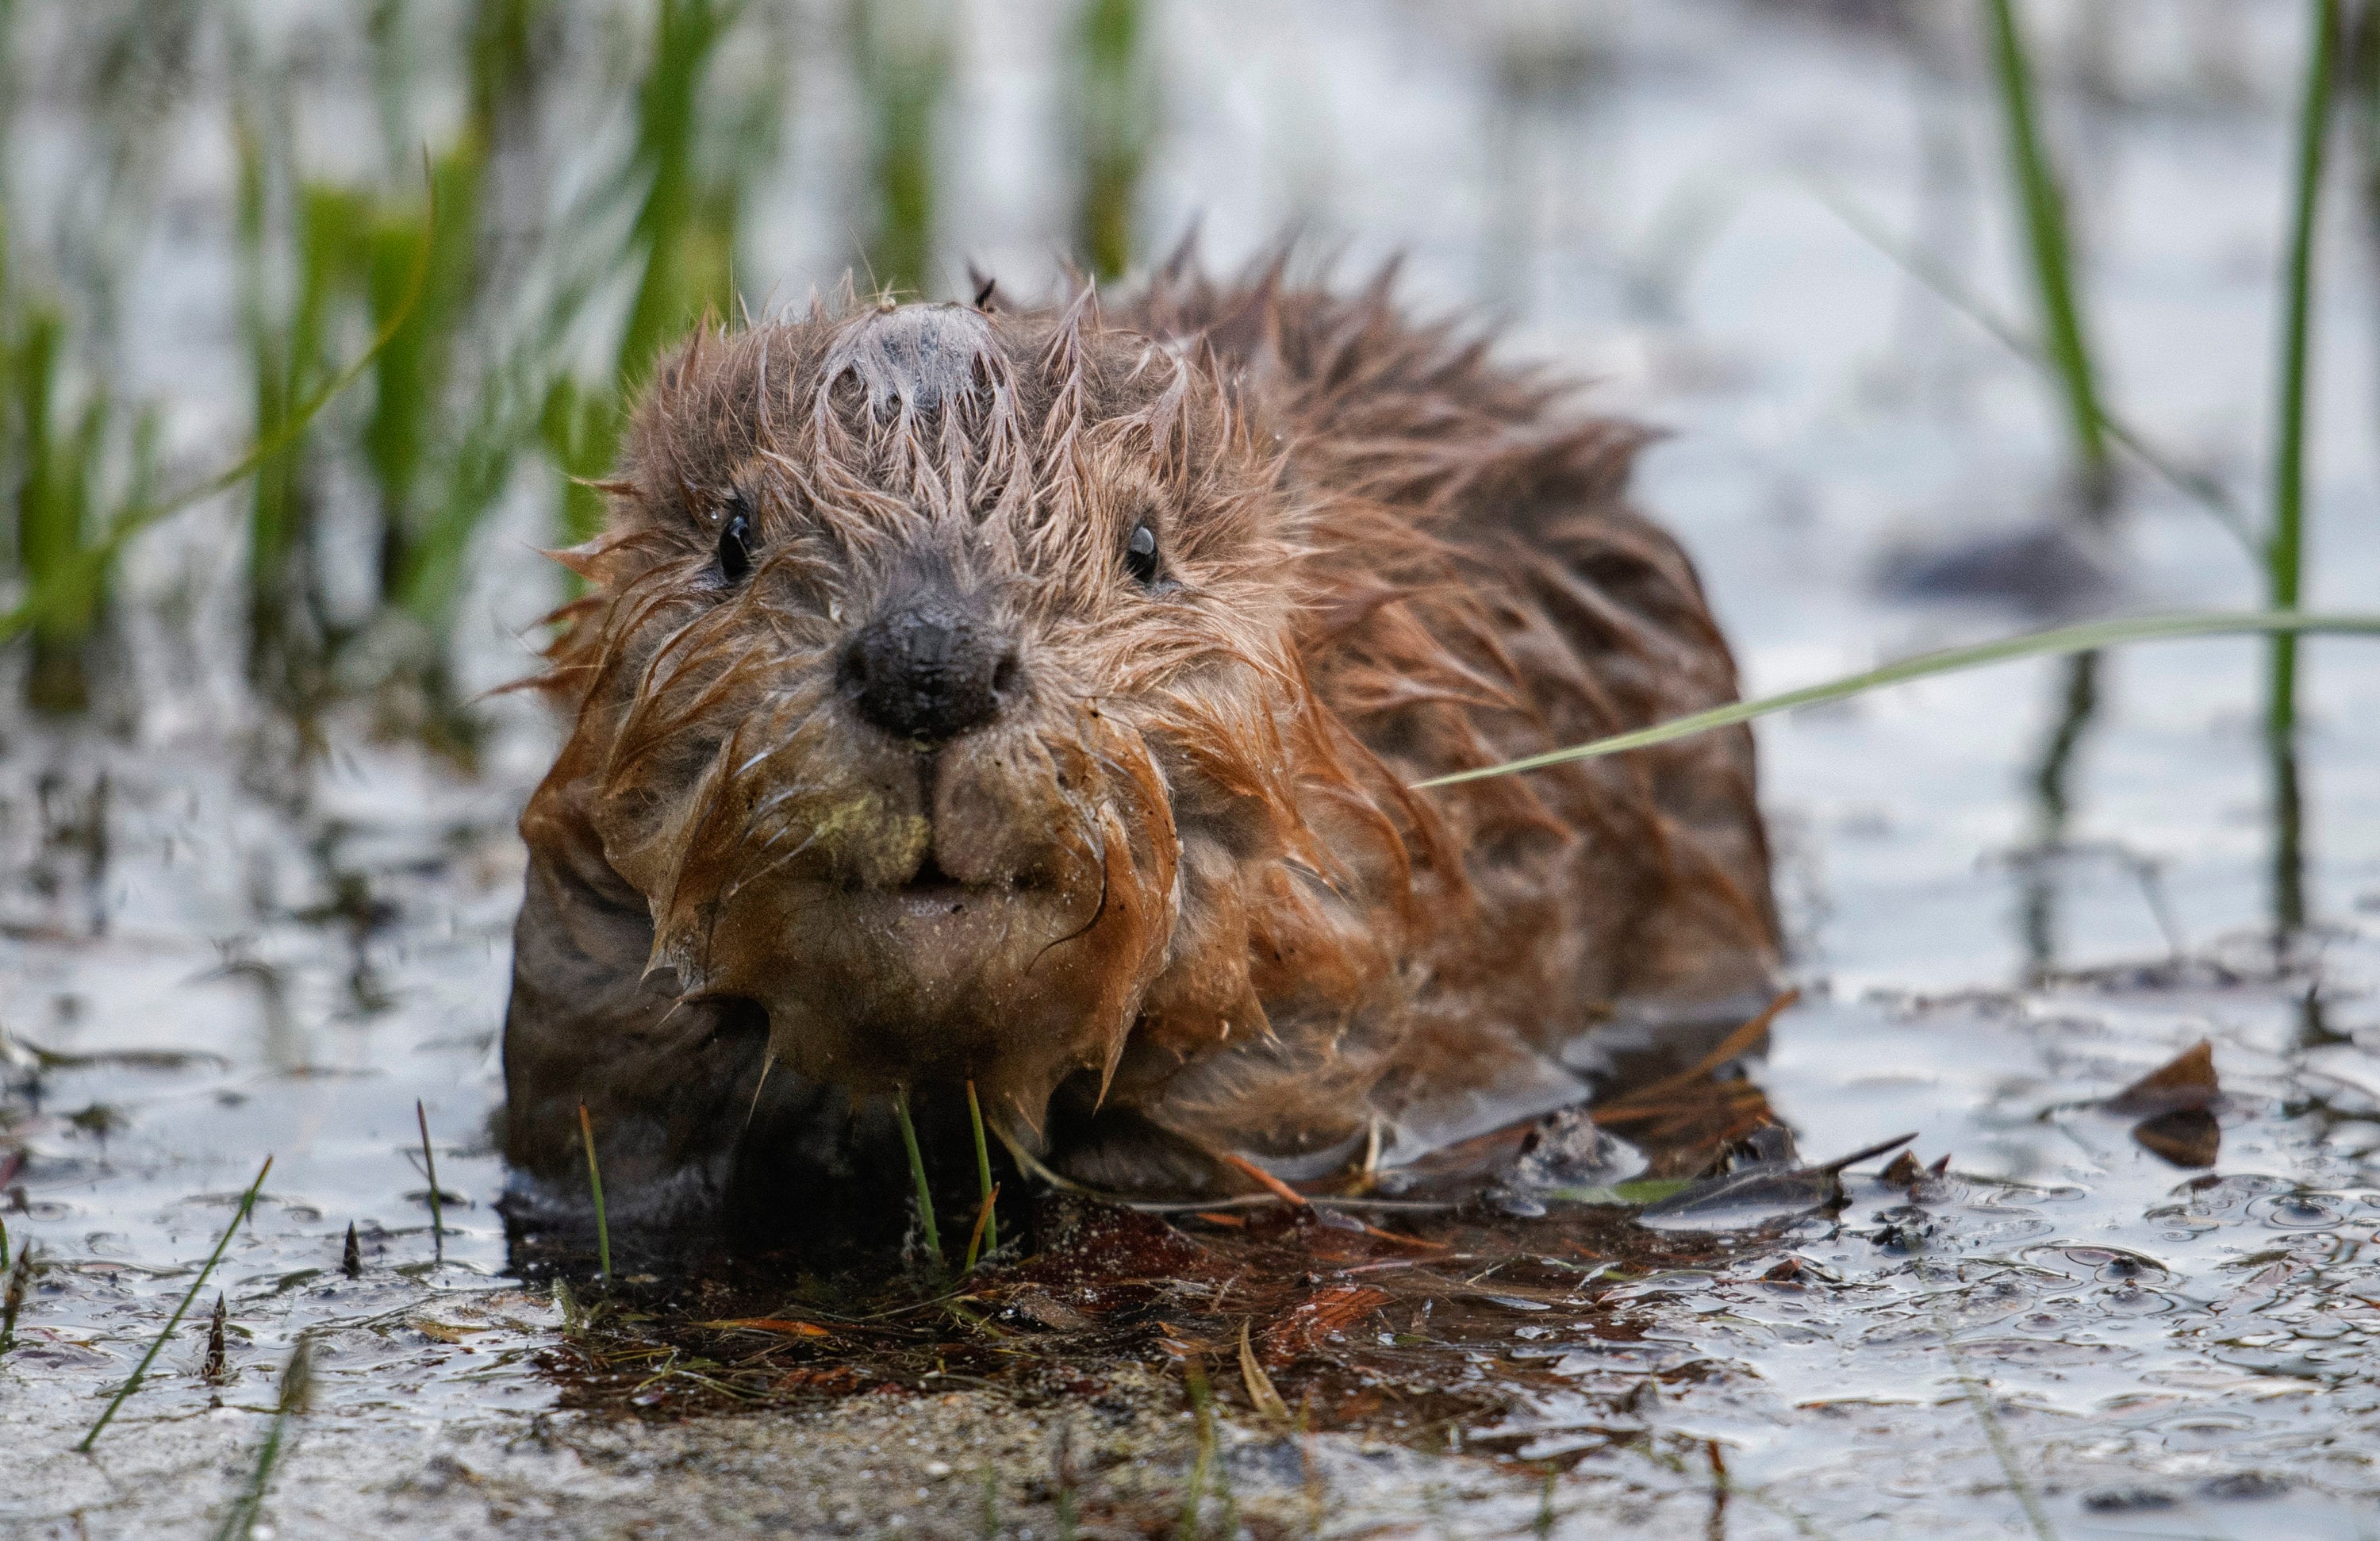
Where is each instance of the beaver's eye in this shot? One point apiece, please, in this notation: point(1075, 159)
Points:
point(1140, 555)
point(735, 540)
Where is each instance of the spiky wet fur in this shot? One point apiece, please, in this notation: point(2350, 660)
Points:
point(1212, 916)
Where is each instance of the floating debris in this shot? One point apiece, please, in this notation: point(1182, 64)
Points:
point(2175, 1104)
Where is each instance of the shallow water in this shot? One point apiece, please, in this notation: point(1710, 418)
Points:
point(207, 961)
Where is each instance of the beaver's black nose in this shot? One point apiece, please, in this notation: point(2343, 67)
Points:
point(929, 669)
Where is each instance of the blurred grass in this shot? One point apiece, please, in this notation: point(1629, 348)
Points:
point(59, 450)
point(900, 57)
point(1114, 122)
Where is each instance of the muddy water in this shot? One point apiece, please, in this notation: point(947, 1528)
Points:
point(207, 960)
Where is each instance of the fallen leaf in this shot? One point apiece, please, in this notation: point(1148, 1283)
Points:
point(2186, 1081)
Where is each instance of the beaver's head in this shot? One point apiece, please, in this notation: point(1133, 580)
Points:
point(941, 693)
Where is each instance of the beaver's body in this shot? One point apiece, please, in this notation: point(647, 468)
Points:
point(1031, 698)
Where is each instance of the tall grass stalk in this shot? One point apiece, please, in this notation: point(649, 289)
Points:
point(595, 1187)
point(2285, 549)
point(1114, 121)
point(296, 1381)
point(132, 1383)
point(2063, 640)
point(917, 1174)
point(2049, 243)
point(990, 1227)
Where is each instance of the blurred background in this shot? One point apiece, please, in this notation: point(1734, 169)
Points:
point(1751, 223)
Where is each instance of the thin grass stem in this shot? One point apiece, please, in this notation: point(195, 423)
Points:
point(975, 1237)
point(595, 1185)
point(918, 1172)
point(239, 1522)
point(430, 1166)
point(247, 1203)
point(2003, 1450)
point(1954, 291)
point(989, 1225)
point(2048, 238)
point(1203, 1402)
point(2080, 638)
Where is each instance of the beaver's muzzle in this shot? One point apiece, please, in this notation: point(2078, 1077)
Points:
point(929, 668)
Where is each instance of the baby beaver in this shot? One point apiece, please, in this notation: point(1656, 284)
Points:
point(1033, 697)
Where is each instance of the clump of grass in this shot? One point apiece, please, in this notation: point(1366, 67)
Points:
point(57, 452)
point(296, 1383)
point(595, 1185)
point(139, 1371)
point(917, 1174)
point(1114, 117)
point(901, 54)
point(57, 594)
point(2050, 246)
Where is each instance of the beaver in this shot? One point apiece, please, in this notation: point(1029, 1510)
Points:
point(1030, 700)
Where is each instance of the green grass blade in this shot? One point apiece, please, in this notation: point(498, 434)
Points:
point(2285, 549)
point(2048, 238)
point(2086, 637)
point(983, 1175)
point(296, 1381)
point(247, 1202)
point(918, 1172)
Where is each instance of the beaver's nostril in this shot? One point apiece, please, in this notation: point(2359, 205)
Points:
point(930, 670)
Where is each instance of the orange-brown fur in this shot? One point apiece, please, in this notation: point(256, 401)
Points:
point(1199, 908)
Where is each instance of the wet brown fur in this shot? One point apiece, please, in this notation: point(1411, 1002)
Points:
point(1200, 910)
